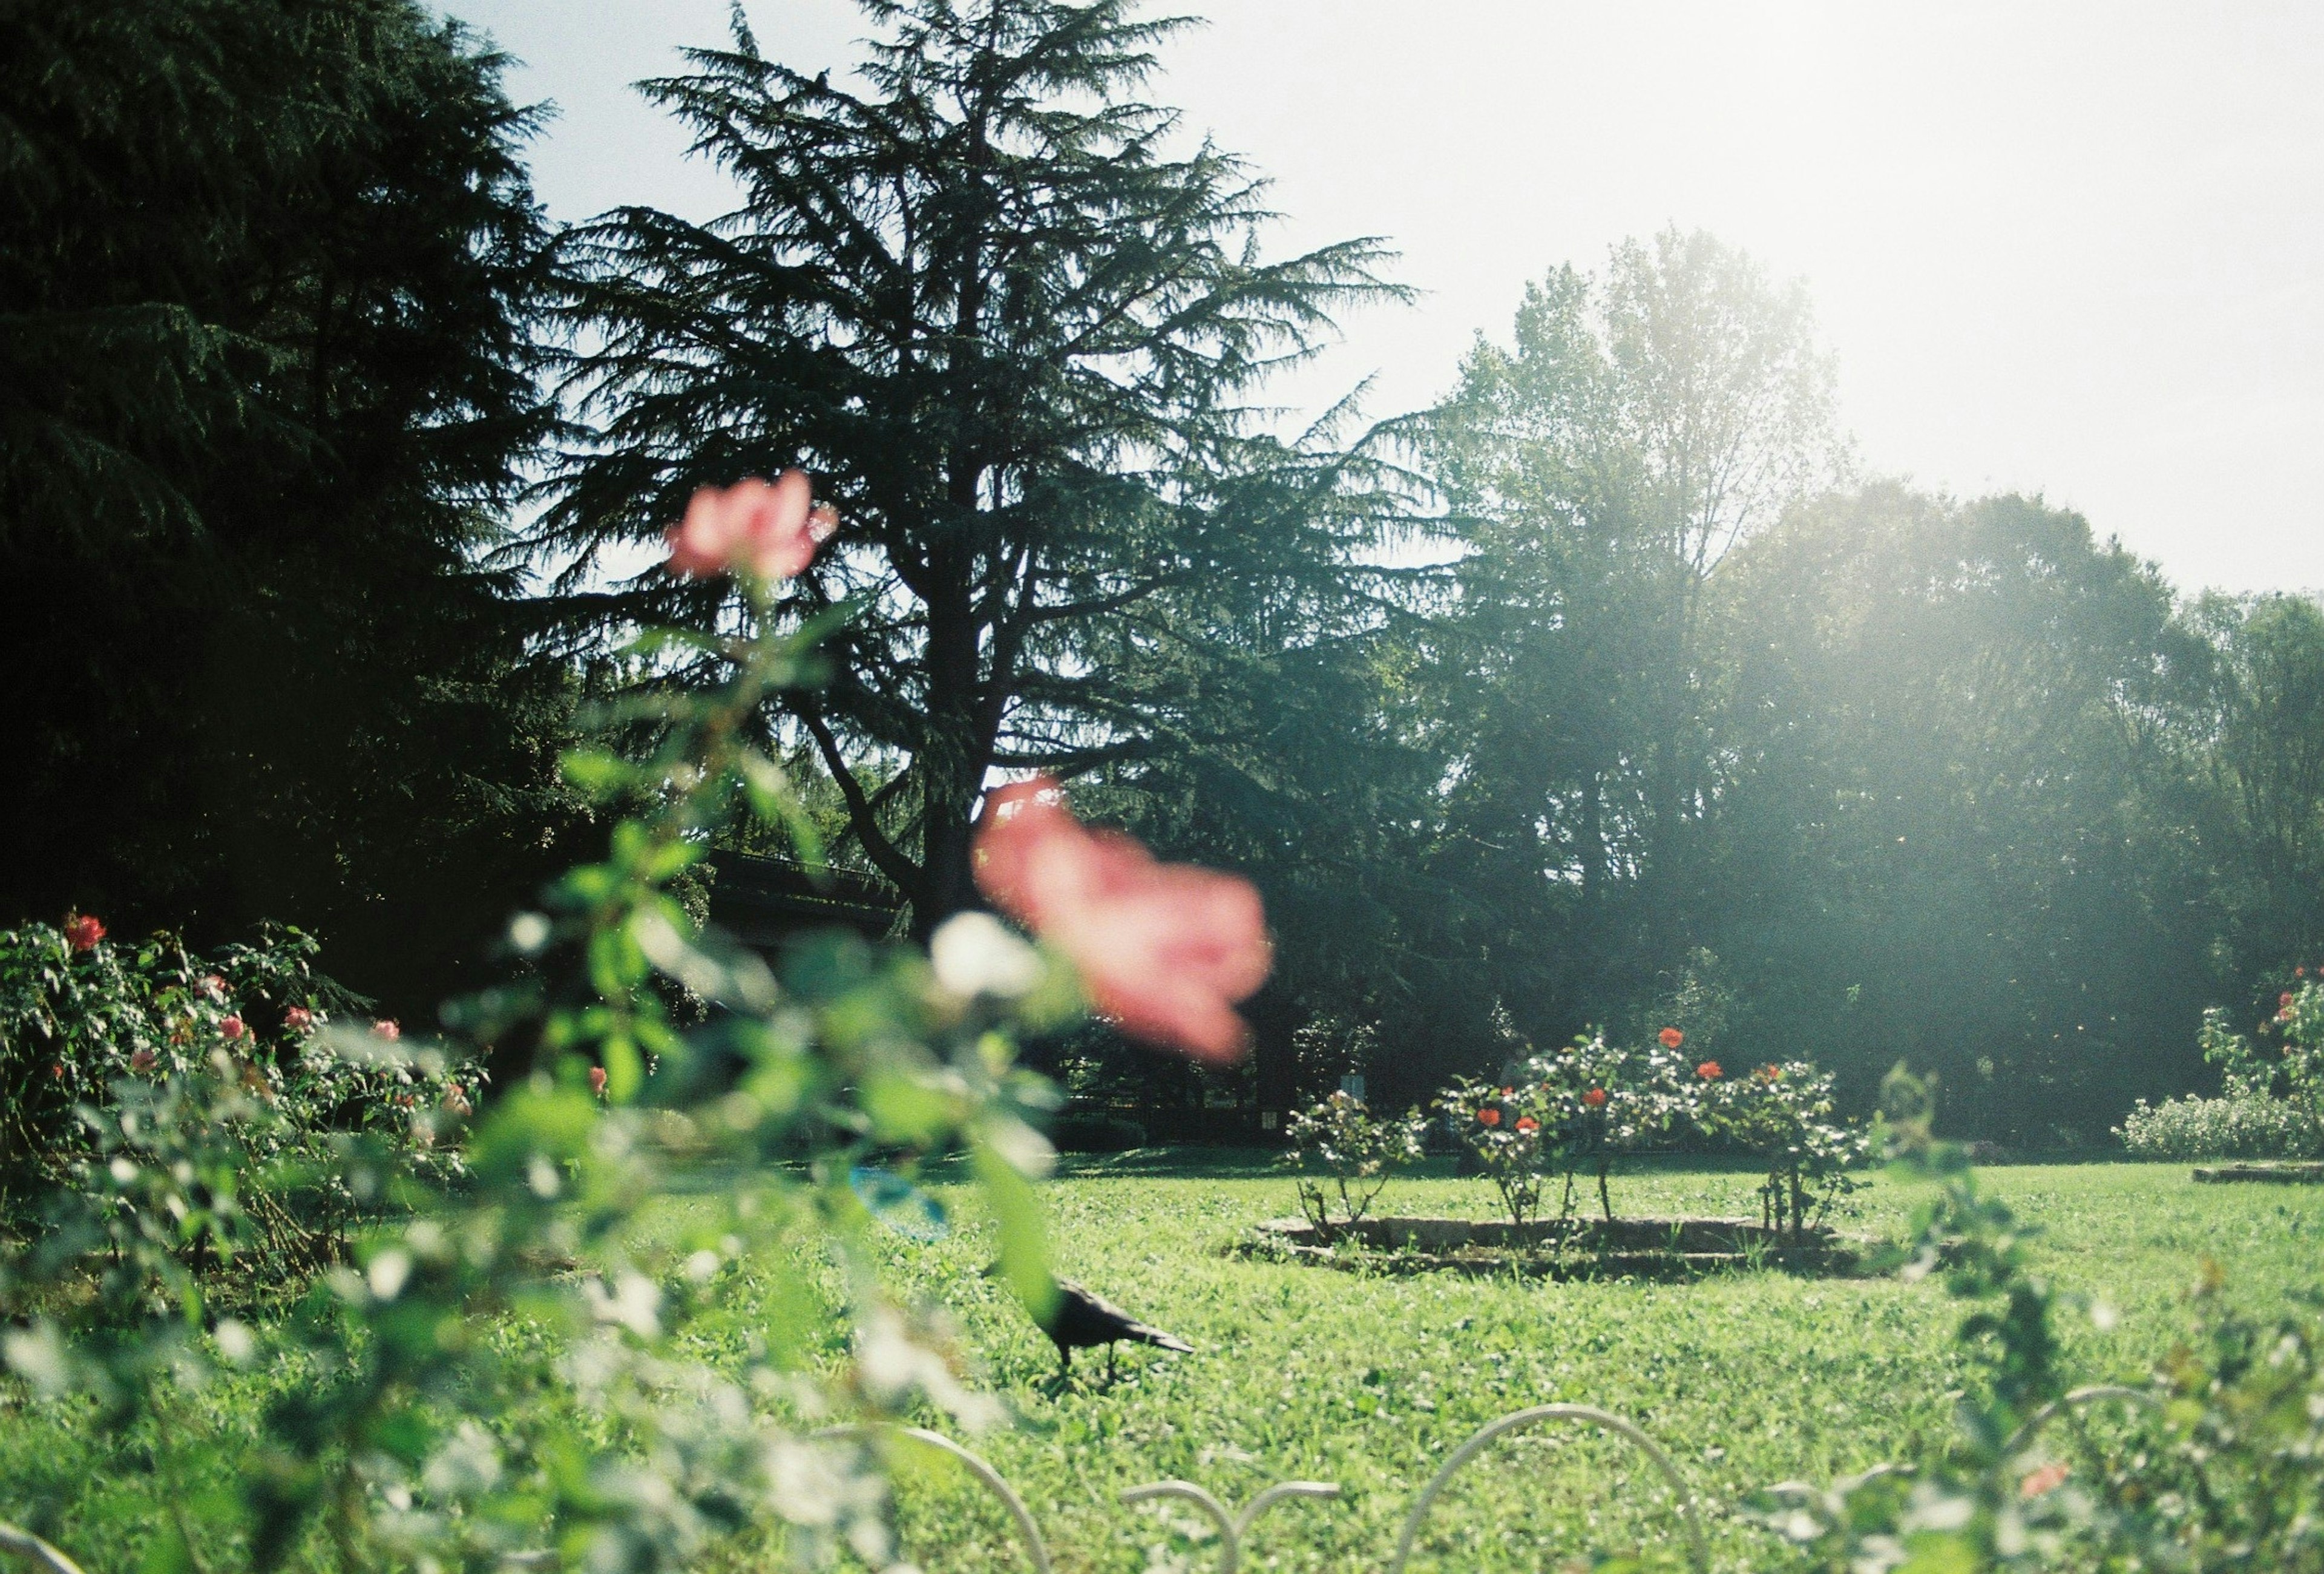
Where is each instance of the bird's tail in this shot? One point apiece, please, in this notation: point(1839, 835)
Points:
point(1145, 1335)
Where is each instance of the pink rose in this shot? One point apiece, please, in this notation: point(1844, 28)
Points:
point(141, 1061)
point(772, 531)
point(212, 986)
point(1165, 950)
point(386, 1028)
point(232, 1029)
point(298, 1020)
point(597, 1080)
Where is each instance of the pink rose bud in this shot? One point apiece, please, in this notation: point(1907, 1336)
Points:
point(1166, 949)
point(597, 1080)
point(769, 530)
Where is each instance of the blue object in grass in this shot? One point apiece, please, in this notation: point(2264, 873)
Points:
point(898, 1203)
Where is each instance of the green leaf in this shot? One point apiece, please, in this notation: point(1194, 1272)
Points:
point(1024, 1239)
point(597, 772)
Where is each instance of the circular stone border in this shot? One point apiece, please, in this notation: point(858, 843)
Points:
point(1576, 1248)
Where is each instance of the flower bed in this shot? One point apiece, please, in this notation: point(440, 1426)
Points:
point(1570, 1248)
point(2288, 1175)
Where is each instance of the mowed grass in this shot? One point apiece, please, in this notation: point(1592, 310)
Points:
point(1370, 1381)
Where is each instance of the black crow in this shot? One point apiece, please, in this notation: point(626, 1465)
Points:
point(1081, 1320)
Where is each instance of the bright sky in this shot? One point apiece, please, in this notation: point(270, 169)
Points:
point(2072, 248)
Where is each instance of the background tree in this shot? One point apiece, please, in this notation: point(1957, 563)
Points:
point(267, 369)
point(1939, 839)
point(1599, 470)
point(1011, 318)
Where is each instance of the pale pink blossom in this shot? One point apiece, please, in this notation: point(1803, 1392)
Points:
point(1165, 950)
point(597, 1080)
point(298, 1020)
point(386, 1028)
point(769, 531)
point(231, 1027)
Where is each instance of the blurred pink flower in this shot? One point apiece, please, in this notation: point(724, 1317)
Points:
point(212, 986)
point(1594, 1097)
point(386, 1028)
point(2048, 1479)
point(1709, 1070)
point(771, 531)
point(84, 930)
point(231, 1027)
point(298, 1020)
point(1672, 1037)
point(1165, 949)
point(597, 1080)
point(141, 1061)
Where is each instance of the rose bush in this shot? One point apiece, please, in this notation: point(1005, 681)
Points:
point(1783, 1113)
point(1357, 1152)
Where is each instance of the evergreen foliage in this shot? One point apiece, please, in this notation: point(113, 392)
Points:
point(1011, 318)
point(267, 369)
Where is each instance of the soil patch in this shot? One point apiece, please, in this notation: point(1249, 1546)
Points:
point(1575, 1248)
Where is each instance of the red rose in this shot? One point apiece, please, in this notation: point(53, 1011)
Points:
point(771, 531)
point(84, 931)
point(231, 1027)
point(298, 1020)
point(1490, 1115)
point(387, 1028)
point(1528, 1123)
point(1594, 1097)
point(57, 1071)
point(2284, 999)
point(1709, 1070)
point(1672, 1037)
point(597, 1080)
point(1772, 1073)
point(1166, 949)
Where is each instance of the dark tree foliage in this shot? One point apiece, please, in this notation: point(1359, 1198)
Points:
point(268, 365)
point(1010, 317)
point(1938, 841)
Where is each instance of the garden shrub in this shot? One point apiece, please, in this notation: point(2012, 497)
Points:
point(1576, 1112)
point(2242, 1126)
point(1356, 1151)
point(2273, 1105)
point(196, 1112)
point(1784, 1114)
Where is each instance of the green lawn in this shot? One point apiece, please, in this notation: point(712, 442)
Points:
point(1305, 1372)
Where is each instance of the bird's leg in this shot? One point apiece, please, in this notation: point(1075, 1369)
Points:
point(1110, 1349)
point(1065, 1364)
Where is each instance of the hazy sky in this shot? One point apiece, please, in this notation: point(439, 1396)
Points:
point(2076, 249)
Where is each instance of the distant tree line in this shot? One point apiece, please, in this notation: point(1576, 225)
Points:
point(1607, 691)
